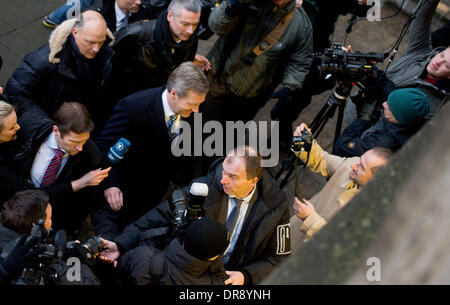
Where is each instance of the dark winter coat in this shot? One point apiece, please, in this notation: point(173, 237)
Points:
point(360, 136)
point(174, 267)
point(58, 73)
point(145, 55)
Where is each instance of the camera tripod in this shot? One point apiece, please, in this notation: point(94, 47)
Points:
point(337, 100)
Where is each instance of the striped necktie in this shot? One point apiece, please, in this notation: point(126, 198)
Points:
point(53, 168)
point(170, 124)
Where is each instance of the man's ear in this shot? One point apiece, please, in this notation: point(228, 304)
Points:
point(169, 16)
point(173, 93)
point(255, 181)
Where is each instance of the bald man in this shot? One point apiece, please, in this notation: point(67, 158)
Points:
point(71, 67)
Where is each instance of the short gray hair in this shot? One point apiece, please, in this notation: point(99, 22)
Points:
point(185, 77)
point(5, 110)
point(191, 5)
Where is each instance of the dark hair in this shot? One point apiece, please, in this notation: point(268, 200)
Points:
point(23, 209)
point(73, 117)
point(252, 159)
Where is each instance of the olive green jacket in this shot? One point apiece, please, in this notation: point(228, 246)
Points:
point(288, 61)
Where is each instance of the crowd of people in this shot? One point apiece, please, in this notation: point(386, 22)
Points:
point(129, 69)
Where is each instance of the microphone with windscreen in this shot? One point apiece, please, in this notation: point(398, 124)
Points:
point(117, 151)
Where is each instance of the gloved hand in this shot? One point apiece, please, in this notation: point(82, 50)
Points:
point(284, 98)
point(20, 256)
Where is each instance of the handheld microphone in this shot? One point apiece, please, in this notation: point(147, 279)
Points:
point(118, 150)
point(60, 243)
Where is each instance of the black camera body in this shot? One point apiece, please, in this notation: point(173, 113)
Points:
point(348, 66)
point(48, 265)
point(185, 212)
point(304, 141)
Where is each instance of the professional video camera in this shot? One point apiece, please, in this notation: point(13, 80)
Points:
point(188, 208)
point(349, 69)
point(348, 66)
point(48, 265)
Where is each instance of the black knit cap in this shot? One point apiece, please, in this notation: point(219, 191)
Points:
point(206, 238)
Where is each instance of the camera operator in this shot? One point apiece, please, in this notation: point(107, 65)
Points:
point(420, 67)
point(247, 65)
point(346, 177)
point(323, 15)
point(404, 114)
point(247, 200)
point(18, 215)
point(194, 260)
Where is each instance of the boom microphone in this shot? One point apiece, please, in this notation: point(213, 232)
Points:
point(118, 150)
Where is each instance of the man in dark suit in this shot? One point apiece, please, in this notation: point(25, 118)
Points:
point(150, 120)
point(57, 157)
point(247, 200)
point(119, 13)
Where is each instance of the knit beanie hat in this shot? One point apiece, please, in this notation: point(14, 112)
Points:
point(408, 105)
point(206, 238)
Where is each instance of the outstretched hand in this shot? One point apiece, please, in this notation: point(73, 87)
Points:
point(111, 252)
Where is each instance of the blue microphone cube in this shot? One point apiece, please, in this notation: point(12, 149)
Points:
point(119, 149)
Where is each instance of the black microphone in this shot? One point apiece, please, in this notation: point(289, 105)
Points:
point(60, 243)
point(117, 151)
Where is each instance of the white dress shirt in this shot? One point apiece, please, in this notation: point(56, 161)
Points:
point(42, 159)
point(169, 112)
point(121, 17)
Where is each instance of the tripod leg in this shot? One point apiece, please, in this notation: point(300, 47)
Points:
point(340, 118)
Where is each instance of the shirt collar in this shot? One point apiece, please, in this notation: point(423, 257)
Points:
point(167, 110)
point(51, 142)
point(119, 13)
point(246, 198)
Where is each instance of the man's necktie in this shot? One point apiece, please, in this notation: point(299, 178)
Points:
point(53, 168)
point(232, 218)
point(123, 22)
point(170, 124)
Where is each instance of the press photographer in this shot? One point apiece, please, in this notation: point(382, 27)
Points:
point(346, 177)
point(28, 256)
point(196, 259)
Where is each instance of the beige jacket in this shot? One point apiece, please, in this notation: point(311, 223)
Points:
point(339, 190)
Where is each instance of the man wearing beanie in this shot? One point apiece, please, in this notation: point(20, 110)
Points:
point(195, 261)
point(403, 115)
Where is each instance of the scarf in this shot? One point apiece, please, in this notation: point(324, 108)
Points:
point(172, 53)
